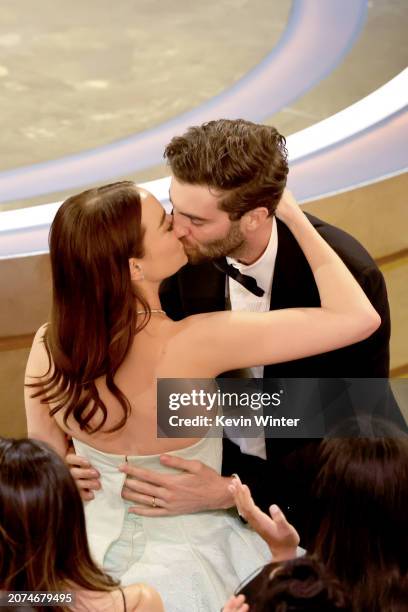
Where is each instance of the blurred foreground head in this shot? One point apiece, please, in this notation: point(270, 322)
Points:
point(359, 517)
point(43, 542)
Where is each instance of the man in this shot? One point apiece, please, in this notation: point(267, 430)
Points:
point(227, 179)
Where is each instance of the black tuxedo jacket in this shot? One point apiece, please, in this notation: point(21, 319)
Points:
point(286, 475)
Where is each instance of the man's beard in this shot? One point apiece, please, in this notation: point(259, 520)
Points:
point(231, 245)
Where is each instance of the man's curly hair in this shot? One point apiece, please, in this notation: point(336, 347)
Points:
point(243, 162)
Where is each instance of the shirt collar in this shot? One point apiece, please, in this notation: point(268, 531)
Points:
point(262, 269)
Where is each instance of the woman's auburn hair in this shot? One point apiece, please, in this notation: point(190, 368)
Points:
point(43, 541)
point(93, 319)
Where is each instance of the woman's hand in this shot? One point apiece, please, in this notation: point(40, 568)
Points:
point(287, 209)
point(281, 537)
point(236, 604)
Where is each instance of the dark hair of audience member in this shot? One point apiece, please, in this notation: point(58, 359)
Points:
point(359, 518)
point(93, 319)
point(43, 542)
point(300, 584)
point(246, 163)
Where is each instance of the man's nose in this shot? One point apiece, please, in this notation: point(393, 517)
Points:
point(180, 227)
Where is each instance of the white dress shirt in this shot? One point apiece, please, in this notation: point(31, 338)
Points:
point(242, 299)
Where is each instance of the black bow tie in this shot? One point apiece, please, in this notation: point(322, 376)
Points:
point(243, 279)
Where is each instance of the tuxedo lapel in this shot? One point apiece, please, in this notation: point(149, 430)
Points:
point(293, 283)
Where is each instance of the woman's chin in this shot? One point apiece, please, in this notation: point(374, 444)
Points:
point(182, 261)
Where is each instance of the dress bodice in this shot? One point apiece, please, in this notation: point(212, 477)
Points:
point(105, 513)
point(208, 450)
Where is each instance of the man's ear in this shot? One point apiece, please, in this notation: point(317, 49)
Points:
point(136, 270)
point(255, 218)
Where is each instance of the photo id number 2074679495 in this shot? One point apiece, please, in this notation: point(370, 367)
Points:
point(15, 599)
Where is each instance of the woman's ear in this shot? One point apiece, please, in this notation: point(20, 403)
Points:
point(136, 270)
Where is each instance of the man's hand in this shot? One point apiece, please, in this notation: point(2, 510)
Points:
point(197, 487)
point(85, 476)
point(281, 537)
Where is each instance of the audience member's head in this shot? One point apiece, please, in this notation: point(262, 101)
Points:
point(43, 543)
point(297, 585)
point(359, 519)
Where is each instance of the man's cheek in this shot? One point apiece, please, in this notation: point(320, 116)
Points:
point(203, 238)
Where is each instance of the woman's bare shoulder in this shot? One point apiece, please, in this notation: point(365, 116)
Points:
point(198, 320)
point(138, 597)
point(142, 598)
point(38, 340)
point(192, 329)
point(39, 334)
point(200, 326)
point(189, 351)
point(38, 361)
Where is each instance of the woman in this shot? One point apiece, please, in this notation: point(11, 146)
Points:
point(43, 540)
point(94, 368)
point(358, 518)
